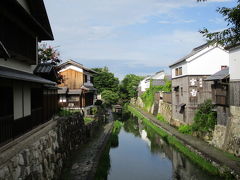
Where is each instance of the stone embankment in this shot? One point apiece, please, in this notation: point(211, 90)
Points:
point(41, 153)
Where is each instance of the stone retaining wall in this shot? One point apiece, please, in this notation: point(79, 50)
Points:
point(228, 137)
point(41, 154)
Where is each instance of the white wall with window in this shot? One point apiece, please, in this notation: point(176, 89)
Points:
point(88, 79)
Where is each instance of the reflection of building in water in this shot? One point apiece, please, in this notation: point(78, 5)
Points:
point(182, 168)
point(144, 137)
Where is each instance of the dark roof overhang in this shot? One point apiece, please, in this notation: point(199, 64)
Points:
point(22, 76)
point(3, 52)
point(37, 20)
point(220, 75)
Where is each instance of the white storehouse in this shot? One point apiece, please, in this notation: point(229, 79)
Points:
point(188, 74)
point(157, 79)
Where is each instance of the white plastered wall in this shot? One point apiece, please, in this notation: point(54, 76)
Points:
point(234, 66)
point(208, 63)
point(21, 100)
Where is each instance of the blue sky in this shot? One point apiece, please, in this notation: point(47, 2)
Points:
point(131, 36)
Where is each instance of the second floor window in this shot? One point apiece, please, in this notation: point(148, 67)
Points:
point(178, 71)
point(85, 78)
point(91, 80)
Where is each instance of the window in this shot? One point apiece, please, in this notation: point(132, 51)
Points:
point(223, 67)
point(91, 80)
point(85, 78)
point(178, 71)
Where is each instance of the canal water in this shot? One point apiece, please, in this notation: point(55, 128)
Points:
point(138, 153)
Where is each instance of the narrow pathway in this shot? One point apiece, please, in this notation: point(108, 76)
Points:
point(84, 162)
point(207, 150)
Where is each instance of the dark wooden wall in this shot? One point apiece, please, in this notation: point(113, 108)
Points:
point(234, 93)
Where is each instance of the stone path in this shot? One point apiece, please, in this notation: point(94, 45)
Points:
point(85, 160)
point(207, 150)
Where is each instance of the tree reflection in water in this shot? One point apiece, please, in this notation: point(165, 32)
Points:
point(181, 167)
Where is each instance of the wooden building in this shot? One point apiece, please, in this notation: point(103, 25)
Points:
point(77, 90)
point(220, 95)
point(27, 100)
point(188, 75)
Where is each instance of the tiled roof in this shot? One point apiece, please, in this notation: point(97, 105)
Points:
point(220, 75)
point(193, 52)
point(43, 68)
point(23, 76)
point(71, 62)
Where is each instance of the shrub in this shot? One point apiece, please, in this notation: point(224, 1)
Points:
point(148, 96)
point(98, 102)
point(185, 129)
point(161, 118)
point(205, 118)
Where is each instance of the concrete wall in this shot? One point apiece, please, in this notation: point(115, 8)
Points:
point(41, 153)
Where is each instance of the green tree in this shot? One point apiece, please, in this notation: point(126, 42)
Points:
point(109, 97)
point(231, 35)
point(105, 80)
point(128, 87)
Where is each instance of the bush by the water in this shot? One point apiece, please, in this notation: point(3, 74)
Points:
point(185, 129)
point(161, 118)
point(114, 136)
point(205, 118)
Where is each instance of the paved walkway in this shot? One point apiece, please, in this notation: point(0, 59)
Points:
point(203, 147)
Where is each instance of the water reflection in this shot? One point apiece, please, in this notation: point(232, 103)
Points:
point(143, 154)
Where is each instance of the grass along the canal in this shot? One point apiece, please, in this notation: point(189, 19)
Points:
point(194, 157)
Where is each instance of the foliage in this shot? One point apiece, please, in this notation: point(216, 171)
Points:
point(88, 120)
point(161, 118)
point(231, 35)
point(205, 118)
point(114, 136)
point(110, 97)
point(117, 127)
point(148, 95)
point(98, 102)
point(105, 80)
point(185, 129)
point(128, 87)
point(64, 112)
point(48, 53)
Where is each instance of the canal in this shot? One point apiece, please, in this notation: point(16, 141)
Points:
point(137, 152)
